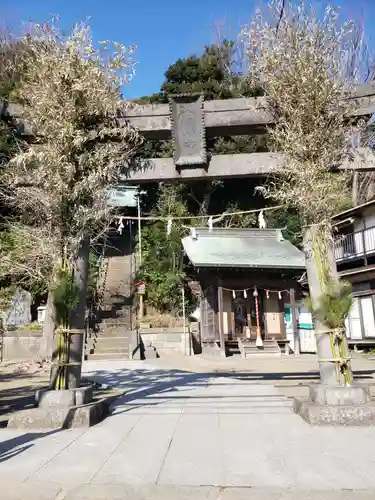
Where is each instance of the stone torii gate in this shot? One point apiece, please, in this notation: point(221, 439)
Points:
point(188, 120)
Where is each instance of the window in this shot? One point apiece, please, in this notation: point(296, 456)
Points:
point(368, 319)
point(353, 322)
point(361, 319)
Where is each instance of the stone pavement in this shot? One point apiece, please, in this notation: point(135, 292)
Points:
point(165, 492)
point(179, 429)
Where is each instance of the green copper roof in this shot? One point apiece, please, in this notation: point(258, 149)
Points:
point(258, 248)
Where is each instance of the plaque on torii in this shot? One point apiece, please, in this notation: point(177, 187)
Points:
point(188, 129)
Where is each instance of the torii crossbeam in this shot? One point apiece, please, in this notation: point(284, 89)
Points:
point(189, 120)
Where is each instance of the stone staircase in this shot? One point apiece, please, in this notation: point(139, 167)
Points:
point(249, 348)
point(232, 348)
point(113, 336)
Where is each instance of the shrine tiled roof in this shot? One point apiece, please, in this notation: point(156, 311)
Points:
point(247, 248)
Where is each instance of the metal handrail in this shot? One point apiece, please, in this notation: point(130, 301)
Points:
point(96, 306)
point(358, 244)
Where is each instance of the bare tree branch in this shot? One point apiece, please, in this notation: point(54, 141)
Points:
point(307, 65)
point(59, 184)
point(282, 8)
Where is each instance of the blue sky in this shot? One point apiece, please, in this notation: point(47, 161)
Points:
point(163, 30)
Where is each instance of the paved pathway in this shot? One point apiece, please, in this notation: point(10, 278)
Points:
point(191, 429)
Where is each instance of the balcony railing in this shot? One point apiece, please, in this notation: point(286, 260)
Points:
point(357, 245)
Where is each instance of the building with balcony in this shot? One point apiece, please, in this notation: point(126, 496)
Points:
point(354, 247)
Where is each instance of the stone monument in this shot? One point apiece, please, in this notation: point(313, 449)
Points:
point(20, 310)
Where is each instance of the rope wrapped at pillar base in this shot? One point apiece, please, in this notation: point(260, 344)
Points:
point(342, 358)
point(63, 355)
point(342, 361)
point(68, 331)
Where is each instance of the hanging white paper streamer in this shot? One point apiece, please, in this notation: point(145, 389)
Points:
point(120, 226)
point(245, 294)
point(267, 294)
point(169, 227)
point(193, 233)
point(234, 294)
point(279, 295)
point(259, 342)
point(210, 224)
point(261, 220)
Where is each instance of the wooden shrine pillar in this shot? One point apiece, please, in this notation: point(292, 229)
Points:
point(293, 312)
point(220, 310)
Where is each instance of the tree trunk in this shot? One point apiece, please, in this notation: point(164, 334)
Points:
point(81, 271)
point(320, 260)
point(49, 341)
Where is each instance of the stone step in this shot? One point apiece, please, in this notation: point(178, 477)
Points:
point(113, 337)
point(111, 345)
point(115, 326)
point(108, 356)
point(118, 330)
point(116, 307)
point(121, 265)
point(119, 343)
point(111, 350)
point(110, 303)
point(114, 332)
point(116, 258)
point(120, 274)
point(124, 272)
point(270, 348)
point(262, 349)
point(120, 259)
point(118, 280)
point(96, 346)
point(122, 319)
point(117, 295)
point(262, 352)
point(116, 322)
point(115, 343)
point(122, 331)
point(268, 345)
